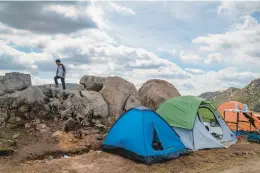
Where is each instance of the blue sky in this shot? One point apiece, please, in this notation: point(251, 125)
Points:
point(197, 46)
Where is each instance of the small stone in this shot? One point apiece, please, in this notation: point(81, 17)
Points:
point(50, 158)
point(43, 130)
point(85, 123)
point(88, 145)
point(55, 119)
point(99, 137)
point(41, 126)
point(27, 125)
point(80, 117)
point(11, 143)
point(71, 124)
point(16, 136)
point(18, 119)
point(86, 132)
point(94, 131)
point(100, 125)
point(37, 121)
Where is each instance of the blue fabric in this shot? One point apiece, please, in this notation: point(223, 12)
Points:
point(240, 133)
point(134, 131)
point(253, 137)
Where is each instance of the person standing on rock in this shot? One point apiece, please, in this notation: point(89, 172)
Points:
point(60, 74)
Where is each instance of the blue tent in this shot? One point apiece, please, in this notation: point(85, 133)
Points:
point(142, 135)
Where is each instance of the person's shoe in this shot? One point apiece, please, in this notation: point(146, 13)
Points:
point(57, 86)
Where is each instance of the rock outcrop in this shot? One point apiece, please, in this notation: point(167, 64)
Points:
point(84, 107)
point(18, 98)
point(93, 83)
point(12, 82)
point(83, 114)
point(95, 104)
point(16, 81)
point(116, 92)
point(155, 91)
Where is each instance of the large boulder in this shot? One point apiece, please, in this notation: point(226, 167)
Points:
point(155, 91)
point(50, 91)
point(16, 81)
point(29, 96)
point(132, 102)
point(94, 102)
point(85, 105)
point(93, 83)
point(116, 91)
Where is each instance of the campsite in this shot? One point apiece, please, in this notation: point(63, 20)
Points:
point(129, 86)
point(175, 134)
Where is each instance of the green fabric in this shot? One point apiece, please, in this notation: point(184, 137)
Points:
point(206, 115)
point(180, 111)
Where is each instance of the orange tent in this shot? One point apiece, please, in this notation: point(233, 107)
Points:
point(232, 117)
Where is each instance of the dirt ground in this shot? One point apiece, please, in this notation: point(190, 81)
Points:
point(243, 157)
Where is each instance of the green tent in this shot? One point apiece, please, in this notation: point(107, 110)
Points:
point(197, 122)
point(181, 111)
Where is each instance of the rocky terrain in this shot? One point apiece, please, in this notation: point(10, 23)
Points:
point(44, 129)
point(36, 121)
point(243, 157)
point(249, 95)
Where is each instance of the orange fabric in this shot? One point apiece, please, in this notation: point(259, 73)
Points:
point(232, 117)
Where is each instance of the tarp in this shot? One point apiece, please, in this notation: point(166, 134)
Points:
point(232, 117)
point(254, 137)
point(180, 111)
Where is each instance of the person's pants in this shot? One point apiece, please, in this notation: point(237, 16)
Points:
point(62, 81)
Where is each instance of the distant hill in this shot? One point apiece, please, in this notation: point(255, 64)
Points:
point(249, 95)
point(219, 97)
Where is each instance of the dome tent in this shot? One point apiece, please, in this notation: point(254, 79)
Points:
point(134, 134)
point(197, 122)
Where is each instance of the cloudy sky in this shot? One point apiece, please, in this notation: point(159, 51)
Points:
point(197, 46)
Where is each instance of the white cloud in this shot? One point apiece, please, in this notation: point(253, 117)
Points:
point(240, 44)
point(185, 10)
point(171, 52)
point(243, 35)
point(195, 70)
point(214, 58)
point(238, 8)
point(190, 57)
point(248, 22)
point(215, 80)
point(96, 12)
point(121, 9)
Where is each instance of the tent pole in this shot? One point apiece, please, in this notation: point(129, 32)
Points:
point(249, 121)
point(237, 123)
